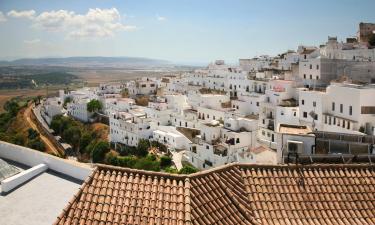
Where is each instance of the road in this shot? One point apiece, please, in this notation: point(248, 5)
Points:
point(32, 124)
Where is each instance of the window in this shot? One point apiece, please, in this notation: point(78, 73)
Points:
point(310, 77)
point(317, 67)
point(305, 114)
point(237, 140)
point(295, 114)
point(302, 102)
point(257, 103)
point(317, 77)
point(207, 147)
point(310, 66)
point(334, 120)
point(341, 108)
point(333, 106)
point(304, 76)
point(350, 110)
point(314, 104)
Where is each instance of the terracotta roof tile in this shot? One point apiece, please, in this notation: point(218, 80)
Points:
point(234, 194)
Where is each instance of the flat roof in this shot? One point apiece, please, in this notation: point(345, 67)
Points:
point(38, 201)
point(294, 129)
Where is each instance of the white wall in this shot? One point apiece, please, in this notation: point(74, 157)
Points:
point(14, 181)
point(32, 158)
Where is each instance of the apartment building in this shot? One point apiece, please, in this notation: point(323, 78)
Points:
point(343, 107)
point(220, 144)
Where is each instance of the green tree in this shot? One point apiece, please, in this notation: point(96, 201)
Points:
point(99, 151)
point(36, 144)
point(11, 107)
point(188, 170)
point(94, 105)
point(32, 134)
point(143, 146)
point(72, 135)
point(165, 161)
point(86, 138)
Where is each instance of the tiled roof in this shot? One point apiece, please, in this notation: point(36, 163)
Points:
point(233, 194)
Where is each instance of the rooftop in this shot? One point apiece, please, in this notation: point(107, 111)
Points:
point(232, 194)
point(38, 201)
point(294, 129)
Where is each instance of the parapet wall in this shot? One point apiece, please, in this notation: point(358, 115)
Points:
point(32, 158)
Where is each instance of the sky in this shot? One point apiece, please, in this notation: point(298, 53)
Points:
point(181, 31)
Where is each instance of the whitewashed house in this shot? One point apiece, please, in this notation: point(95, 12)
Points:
point(343, 107)
point(129, 127)
point(169, 136)
point(52, 107)
point(219, 144)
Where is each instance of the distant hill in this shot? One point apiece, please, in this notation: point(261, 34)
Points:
point(117, 62)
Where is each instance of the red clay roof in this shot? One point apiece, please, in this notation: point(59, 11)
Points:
point(233, 194)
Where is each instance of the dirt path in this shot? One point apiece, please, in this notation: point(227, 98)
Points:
point(45, 139)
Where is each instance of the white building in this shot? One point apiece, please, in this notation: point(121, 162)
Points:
point(129, 127)
point(143, 86)
point(172, 138)
point(52, 107)
point(343, 107)
point(220, 144)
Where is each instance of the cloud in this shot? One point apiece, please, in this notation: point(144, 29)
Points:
point(2, 17)
point(32, 42)
point(96, 23)
point(28, 14)
point(161, 18)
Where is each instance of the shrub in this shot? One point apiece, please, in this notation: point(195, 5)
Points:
point(18, 139)
point(142, 148)
point(188, 170)
point(165, 161)
point(146, 164)
point(111, 159)
point(32, 134)
point(151, 157)
point(170, 169)
point(126, 161)
point(36, 144)
point(84, 141)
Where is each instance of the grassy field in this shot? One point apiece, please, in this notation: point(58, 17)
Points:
point(95, 77)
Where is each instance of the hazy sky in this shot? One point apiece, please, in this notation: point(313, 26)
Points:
point(176, 30)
